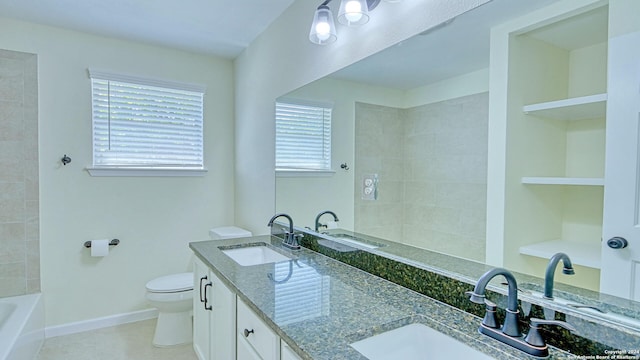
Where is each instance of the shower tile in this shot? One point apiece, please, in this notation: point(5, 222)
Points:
point(462, 195)
point(32, 211)
point(11, 79)
point(33, 286)
point(420, 192)
point(11, 210)
point(11, 150)
point(11, 121)
point(20, 263)
point(12, 279)
point(12, 243)
point(11, 170)
point(442, 175)
point(33, 260)
point(11, 190)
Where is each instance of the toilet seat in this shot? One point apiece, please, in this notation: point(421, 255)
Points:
point(171, 283)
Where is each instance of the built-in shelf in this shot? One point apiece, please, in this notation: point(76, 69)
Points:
point(581, 253)
point(578, 108)
point(563, 181)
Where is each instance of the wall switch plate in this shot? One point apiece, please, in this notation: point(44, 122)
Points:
point(370, 187)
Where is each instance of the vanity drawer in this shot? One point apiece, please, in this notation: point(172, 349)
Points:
point(252, 329)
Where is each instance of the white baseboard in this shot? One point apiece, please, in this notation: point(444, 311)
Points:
point(99, 323)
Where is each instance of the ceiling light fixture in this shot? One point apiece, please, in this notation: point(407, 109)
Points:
point(323, 29)
point(351, 13)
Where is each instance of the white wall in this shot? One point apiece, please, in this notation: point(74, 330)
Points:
point(282, 59)
point(155, 218)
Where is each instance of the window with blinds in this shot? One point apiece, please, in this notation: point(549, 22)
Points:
point(303, 136)
point(146, 123)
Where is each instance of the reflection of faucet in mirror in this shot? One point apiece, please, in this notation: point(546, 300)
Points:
point(551, 269)
point(318, 225)
point(290, 238)
point(272, 277)
point(509, 334)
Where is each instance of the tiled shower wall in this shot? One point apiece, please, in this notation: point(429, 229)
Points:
point(432, 166)
point(19, 221)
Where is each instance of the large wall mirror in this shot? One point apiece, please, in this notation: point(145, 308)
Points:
point(414, 119)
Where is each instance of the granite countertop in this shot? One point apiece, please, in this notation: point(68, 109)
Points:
point(319, 305)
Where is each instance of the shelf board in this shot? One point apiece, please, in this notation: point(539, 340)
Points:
point(533, 180)
point(579, 108)
point(581, 253)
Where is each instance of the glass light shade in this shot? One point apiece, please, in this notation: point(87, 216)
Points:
point(323, 29)
point(353, 12)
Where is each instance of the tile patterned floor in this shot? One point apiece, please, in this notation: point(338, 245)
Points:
point(122, 342)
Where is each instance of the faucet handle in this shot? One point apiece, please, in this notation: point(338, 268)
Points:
point(292, 240)
point(534, 338)
point(490, 318)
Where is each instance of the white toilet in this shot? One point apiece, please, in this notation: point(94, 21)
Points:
point(172, 295)
point(228, 232)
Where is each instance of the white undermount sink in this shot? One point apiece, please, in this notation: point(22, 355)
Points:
point(415, 341)
point(254, 255)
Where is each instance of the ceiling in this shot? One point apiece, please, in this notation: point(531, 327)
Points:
point(226, 27)
point(217, 27)
point(451, 49)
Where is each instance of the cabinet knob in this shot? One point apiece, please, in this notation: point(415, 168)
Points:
point(247, 332)
point(617, 242)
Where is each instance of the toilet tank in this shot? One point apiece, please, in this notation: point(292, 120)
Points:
point(228, 232)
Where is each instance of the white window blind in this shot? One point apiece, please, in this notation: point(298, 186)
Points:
point(146, 123)
point(303, 136)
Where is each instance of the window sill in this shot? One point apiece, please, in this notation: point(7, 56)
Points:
point(304, 173)
point(145, 172)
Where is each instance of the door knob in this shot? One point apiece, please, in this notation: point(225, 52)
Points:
point(617, 242)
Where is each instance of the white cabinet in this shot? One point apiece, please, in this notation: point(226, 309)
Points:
point(255, 338)
point(286, 353)
point(200, 314)
point(214, 316)
point(225, 328)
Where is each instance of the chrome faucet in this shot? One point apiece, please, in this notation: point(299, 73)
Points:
point(318, 225)
point(509, 333)
point(290, 238)
point(551, 269)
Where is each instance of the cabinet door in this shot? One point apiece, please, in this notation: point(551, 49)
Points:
point(620, 273)
point(245, 351)
point(286, 353)
point(200, 315)
point(222, 321)
point(256, 333)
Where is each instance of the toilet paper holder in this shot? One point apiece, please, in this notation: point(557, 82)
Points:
point(113, 242)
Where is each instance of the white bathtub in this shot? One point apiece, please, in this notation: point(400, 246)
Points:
point(21, 327)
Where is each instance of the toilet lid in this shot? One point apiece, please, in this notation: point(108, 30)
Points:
point(171, 283)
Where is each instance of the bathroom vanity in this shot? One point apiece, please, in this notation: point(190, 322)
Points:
point(313, 307)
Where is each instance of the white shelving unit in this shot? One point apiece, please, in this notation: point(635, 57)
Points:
point(582, 253)
point(578, 108)
point(533, 180)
